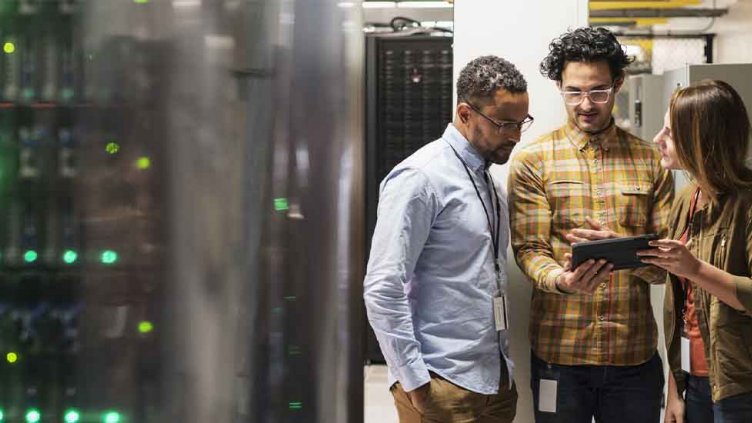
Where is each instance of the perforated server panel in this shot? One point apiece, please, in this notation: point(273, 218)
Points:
point(408, 104)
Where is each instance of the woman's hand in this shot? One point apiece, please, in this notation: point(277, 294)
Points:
point(673, 256)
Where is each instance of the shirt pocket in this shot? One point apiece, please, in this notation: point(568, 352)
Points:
point(568, 199)
point(633, 204)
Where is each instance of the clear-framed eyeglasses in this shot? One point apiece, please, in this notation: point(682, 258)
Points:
point(573, 98)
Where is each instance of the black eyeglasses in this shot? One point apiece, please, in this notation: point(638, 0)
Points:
point(506, 126)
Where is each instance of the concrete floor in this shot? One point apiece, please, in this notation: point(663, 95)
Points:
point(378, 404)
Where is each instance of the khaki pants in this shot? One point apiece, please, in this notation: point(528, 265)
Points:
point(449, 403)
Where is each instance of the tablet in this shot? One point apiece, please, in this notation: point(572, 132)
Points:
point(621, 252)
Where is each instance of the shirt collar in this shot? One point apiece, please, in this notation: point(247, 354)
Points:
point(467, 152)
point(581, 139)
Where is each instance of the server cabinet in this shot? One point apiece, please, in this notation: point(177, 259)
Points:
point(737, 75)
point(408, 104)
point(645, 91)
point(79, 212)
point(181, 211)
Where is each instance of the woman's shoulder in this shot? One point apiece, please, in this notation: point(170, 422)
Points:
point(683, 197)
point(686, 192)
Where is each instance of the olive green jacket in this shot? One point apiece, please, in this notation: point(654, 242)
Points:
point(721, 236)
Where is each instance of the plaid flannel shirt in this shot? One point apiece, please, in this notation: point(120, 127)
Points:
point(554, 183)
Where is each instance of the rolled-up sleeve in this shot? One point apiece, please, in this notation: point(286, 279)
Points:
point(407, 209)
point(530, 217)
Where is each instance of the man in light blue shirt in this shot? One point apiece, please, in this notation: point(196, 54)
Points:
point(436, 282)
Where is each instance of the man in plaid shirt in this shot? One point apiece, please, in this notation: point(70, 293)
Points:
point(592, 331)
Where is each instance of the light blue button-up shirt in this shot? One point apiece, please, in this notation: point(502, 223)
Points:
point(431, 281)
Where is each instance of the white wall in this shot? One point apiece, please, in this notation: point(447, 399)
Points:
point(520, 32)
point(733, 42)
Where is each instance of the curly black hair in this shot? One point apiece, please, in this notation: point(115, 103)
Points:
point(584, 45)
point(483, 76)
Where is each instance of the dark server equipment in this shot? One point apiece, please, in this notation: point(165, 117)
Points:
point(408, 104)
point(78, 225)
point(169, 250)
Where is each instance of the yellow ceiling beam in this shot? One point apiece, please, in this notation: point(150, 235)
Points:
point(638, 21)
point(648, 4)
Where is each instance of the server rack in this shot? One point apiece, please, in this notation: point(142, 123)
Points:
point(80, 270)
point(408, 104)
point(181, 211)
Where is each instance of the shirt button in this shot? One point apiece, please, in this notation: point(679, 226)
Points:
point(603, 286)
point(601, 317)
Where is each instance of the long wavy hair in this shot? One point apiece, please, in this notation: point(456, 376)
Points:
point(711, 131)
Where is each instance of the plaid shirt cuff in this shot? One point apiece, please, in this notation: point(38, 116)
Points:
point(549, 283)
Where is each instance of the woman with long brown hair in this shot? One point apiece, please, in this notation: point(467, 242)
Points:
point(708, 306)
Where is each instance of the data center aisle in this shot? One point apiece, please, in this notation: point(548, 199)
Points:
point(378, 404)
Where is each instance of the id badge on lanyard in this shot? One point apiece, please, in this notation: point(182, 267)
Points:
point(501, 316)
point(500, 309)
point(500, 312)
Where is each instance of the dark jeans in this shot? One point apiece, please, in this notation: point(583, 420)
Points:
point(697, 400)
point(611, 394)
point(700, 407)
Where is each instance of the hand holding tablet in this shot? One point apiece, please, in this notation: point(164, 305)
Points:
point(620, 252)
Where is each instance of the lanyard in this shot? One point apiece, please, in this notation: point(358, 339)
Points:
point(493, 229)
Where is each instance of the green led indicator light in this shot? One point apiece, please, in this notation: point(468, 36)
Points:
point(72, 416)
point(33, 416)
point(294, 350)
point(30, 256)
point(111, 417)
point(296, 405)
point(112, 148)
point(70, 256)
point(145, 326)
point(281, 204)
point(109, 257)
point(11, 357)
point(2, 416)
point(9, 48)
point(141, 1)
point(143, 163)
